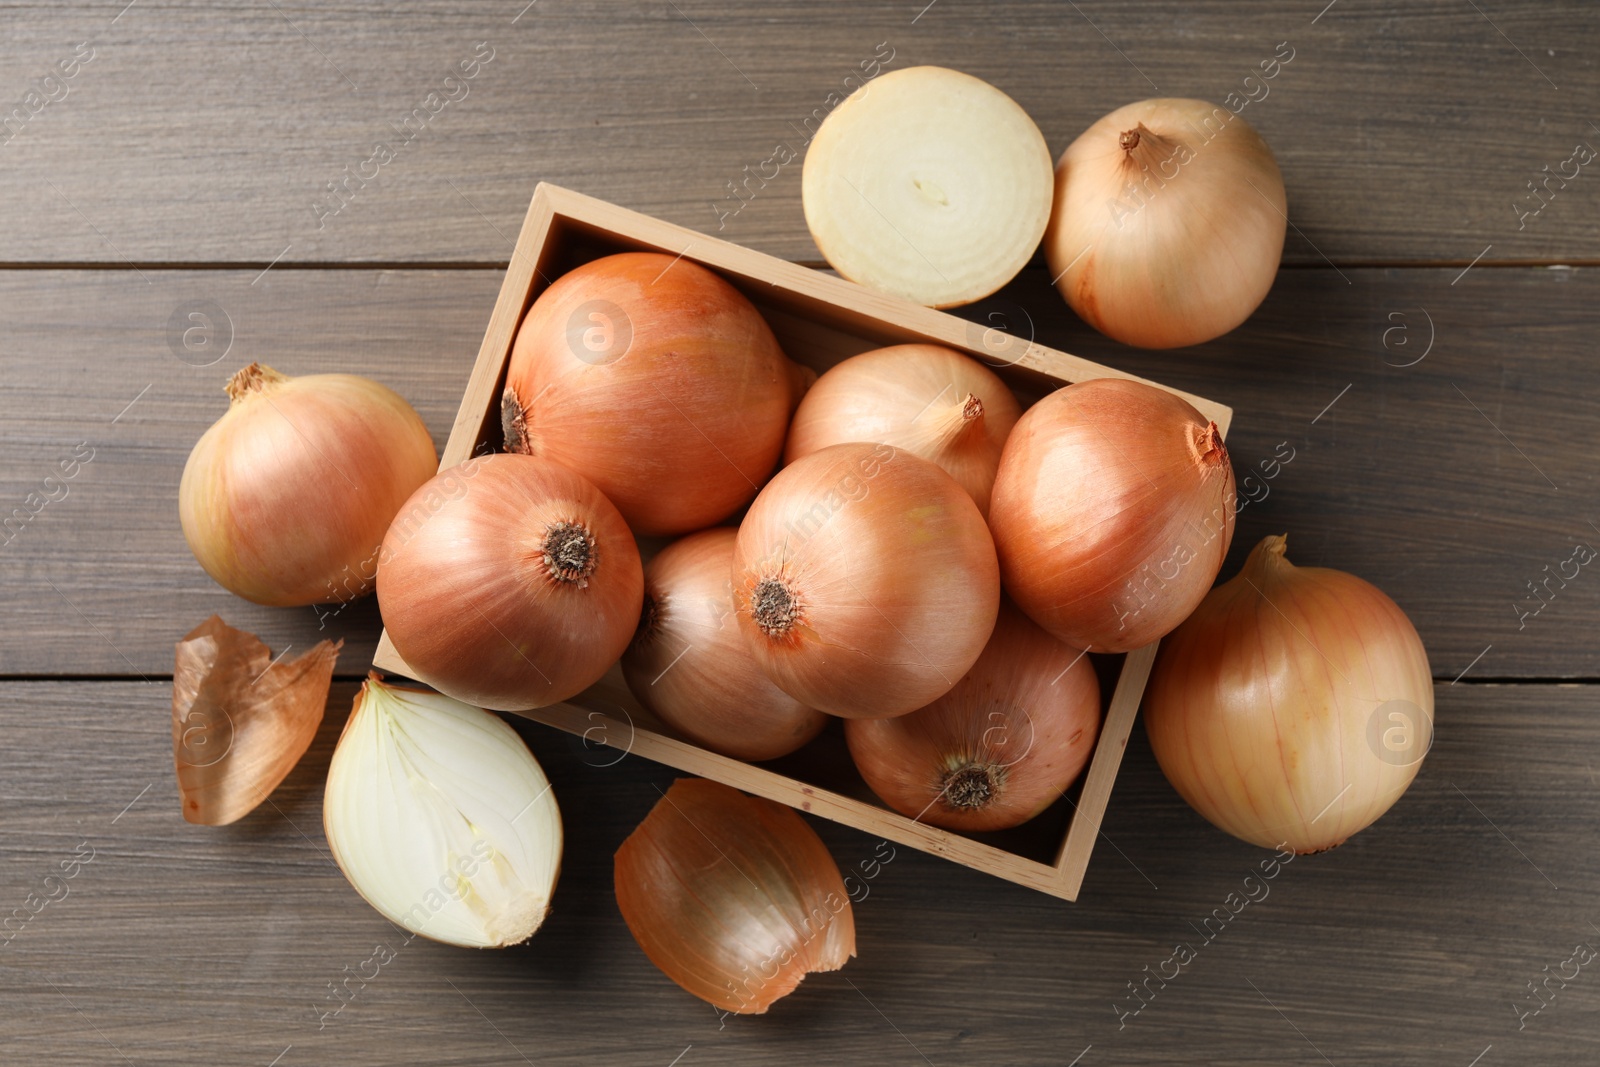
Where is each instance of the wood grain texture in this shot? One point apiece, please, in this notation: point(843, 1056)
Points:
point(1409, 945)
point(1428, 480)
point(206, 133)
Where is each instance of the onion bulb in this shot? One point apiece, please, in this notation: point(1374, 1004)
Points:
point(689, 663)
point(1112, 512)
point(929, 184)
point(734, 897)
point(997, 749)
point(285, 499)
point(930, 400)
point(509, 582)
point(1168, 223)
point(441, 819)
point(656, 380)
point(865, 581)
point(1294, 706)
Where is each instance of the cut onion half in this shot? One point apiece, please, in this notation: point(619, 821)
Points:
point(929, 184)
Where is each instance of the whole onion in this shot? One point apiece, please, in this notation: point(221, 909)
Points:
point(1112, 512)
point(509, 582)
point(656, 380)
point(285, 499)
point(690, 665)
point(1294, 706)
point(865, 581)
point(1000, 747)
point(930, 400)
point(1168, 223)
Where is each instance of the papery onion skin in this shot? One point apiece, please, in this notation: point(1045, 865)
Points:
point(930, 400)
point(441, 818)
point(658, 381)
point(1112, 512)
point(1294, 706)
point(1191, 249)
point(285, 499)
point(1000, 747)
point(865, 581)
point(733, 897)
point(690, 665)
point(509, 582)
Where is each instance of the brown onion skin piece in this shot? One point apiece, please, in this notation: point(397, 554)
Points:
point(928, 399)
point(1260, 705)
point(1026, 717)
point(690, 666)
point(682, 428)
point(285, 499)
point(1112, 512)
point(469, 599)
point(709, 861)
point(892, 570)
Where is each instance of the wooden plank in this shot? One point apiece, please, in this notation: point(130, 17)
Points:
point(1409, 945)
point(1405, 133)
point(1404, 477)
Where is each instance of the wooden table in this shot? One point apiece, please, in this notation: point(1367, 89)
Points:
point(1428, 351)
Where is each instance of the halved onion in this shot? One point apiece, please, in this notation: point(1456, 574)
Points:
point(690, 665)
point(864, 580)
point(929, 184)
point(509, 582)
point(930, 400)
point(1112, 512)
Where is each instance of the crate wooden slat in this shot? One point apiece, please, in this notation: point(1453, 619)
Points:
point(819, 320)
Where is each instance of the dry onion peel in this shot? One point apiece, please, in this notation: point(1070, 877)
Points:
point(929, 184)
point(930, 400)
point(240, 721)
point(285, 499)
point(733, 897)
point(1294, 706)
point(441, 818)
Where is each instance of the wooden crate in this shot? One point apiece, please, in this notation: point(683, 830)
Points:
point(819, 320)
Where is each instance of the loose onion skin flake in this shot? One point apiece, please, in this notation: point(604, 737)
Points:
point(865, 581)
point(656, 380)
point(1168, 223)
point(509, 582)
point(1294, 706)
point(733, 897)
point(930, 400)
point(1112, 512)
point(1000, 747)
point(240, 720)
point(285, 499)
point(690, 665)
point(929, 184)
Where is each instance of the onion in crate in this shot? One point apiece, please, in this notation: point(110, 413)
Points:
point(865, 581)
point(656, 380)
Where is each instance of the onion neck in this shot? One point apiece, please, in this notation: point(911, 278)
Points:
point(1207, 447)
point(971, 786)
point(1267, 559)
point(961, 422)
point(253, 379)
point(1144, 149)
